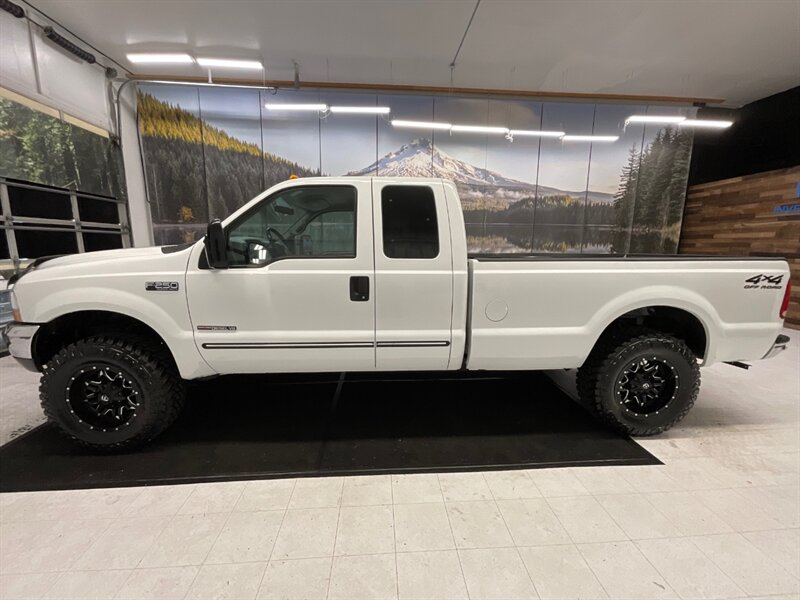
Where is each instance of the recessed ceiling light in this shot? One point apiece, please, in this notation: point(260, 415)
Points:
point(229, 63)
point(175, 59)
point(309, 107)
point(421, 124)
point(708, 123)
point(478, 129)
point(536, 133)
point(655, 119)
point(590, 138)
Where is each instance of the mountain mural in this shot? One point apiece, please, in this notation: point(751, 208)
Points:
point(421, 158)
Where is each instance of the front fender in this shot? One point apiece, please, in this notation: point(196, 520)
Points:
point(165, 313)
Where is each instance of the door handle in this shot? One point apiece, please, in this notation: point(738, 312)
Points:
point(359, 288)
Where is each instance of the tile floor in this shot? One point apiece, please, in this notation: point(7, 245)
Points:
point(720, 519)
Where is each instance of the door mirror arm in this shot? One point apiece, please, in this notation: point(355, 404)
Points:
point(215, 246)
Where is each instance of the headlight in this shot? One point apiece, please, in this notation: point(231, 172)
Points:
point(15, 314)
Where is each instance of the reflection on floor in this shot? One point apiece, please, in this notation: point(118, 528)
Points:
point(721, 519)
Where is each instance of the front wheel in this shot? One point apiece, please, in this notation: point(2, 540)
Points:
point(111, 393)
point(639, 381)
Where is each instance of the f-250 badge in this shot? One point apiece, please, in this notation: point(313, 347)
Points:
point(764, 282)
point(161, 286)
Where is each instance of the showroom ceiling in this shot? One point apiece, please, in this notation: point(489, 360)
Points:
point(738, 51)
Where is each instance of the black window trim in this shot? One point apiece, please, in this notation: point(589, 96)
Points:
point(435, 212)
point(270, 198)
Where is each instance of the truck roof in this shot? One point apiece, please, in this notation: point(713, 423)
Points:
point(351, 178)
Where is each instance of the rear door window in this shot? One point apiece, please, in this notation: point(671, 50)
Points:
point(410, 228)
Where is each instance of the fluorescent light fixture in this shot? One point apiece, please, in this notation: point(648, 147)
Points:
point(226, 63)
point(478, 129)
point(707, 123)
point(420, 124)
point(655, 119)
point(361, 110)
point(590, 138)
point(166, 59)
point(309, 107)
point(537, 133)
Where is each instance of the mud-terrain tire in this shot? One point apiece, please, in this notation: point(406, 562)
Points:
point(88, 383)
point(640, 382)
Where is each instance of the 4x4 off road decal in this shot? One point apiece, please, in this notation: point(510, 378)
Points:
point(161, 286)
point(764, 282)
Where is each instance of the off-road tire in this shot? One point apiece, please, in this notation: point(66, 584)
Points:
point(597, 377)
point(147, 364)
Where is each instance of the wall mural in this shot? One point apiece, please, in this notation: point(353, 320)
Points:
point(209, 150)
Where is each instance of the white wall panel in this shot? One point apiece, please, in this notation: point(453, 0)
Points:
point(71, 84)
point(16, 61)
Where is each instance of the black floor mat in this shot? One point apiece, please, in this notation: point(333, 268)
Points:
point(258, 427)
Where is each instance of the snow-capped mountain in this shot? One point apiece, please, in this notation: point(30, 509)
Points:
point(420, 158)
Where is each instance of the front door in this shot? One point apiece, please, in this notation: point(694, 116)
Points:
point(298, 293)
point(413, 275)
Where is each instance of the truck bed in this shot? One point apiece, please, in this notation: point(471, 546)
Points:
point(544, 311)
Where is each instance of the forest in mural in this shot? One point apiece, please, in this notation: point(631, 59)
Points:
point(40, 148)
point(207, 151)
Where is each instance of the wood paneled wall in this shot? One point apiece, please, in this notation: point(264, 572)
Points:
point(736, 217)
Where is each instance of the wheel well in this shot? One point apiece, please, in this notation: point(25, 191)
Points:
point(69, 328)
point(667, 319)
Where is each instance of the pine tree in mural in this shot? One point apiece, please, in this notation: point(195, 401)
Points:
point(38, 147)
point(649, 200)
point(624, 200)
point(193, 168)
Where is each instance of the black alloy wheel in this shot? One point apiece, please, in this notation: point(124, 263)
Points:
point(104, 397)
point(647, 386)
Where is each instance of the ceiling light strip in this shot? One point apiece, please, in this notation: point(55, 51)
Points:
point(227, 63)
point(420, 124)
point(537, 133)
point(667, 119)
point(296, 107)
point(164, 59)
point(590, 138)
point(705, 123)
point(361, 110)
point(478, 129)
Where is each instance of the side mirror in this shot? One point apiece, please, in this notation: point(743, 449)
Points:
point(257, 254)
point(215, 246)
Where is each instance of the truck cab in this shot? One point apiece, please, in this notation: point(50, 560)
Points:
point(336, 275)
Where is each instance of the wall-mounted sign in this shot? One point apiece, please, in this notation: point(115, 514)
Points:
point(792, 209)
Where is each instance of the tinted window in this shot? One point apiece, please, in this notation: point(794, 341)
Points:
point(410, 229)
point(313, 221)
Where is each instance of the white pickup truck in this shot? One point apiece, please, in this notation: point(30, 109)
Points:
point(372, 274)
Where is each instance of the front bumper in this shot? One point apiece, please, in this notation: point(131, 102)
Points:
point(779, 346)
point(19, 339)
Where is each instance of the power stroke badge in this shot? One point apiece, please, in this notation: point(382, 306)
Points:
point(161, 286)
point(763, 282)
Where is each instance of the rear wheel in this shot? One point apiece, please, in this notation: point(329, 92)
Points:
point(639, 381)
point(111, 393)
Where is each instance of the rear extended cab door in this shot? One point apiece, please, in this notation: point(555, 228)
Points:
point(413, 275)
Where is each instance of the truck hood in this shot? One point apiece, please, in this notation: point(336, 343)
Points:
point(104, 261)
point(96, 257)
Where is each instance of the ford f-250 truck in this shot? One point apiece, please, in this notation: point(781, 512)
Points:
point(372, 274)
